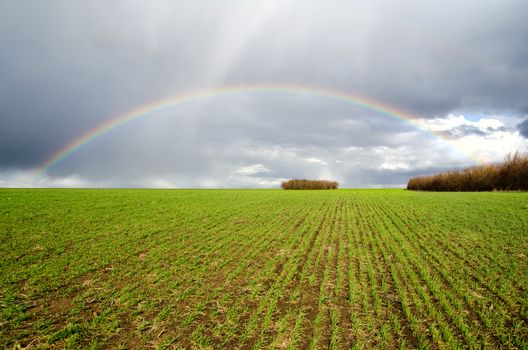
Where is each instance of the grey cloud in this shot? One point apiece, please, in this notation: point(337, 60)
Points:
point(466, 130)
point(426, 59)
point(523, 128)
point(194, 138)
point(68, 67)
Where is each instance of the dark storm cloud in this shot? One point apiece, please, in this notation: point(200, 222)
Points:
point(523, 128)
point(67, 67)
point(428, 59)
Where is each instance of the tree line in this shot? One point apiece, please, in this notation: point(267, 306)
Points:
point(510, 175)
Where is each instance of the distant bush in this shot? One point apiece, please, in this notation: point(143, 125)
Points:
point(297, 184)
point(512, 174)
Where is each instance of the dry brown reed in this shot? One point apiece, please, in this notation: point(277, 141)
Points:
point(297, 184)
point(510, 175)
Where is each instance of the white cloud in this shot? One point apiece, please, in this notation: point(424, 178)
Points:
point(251, 170)
point(486, 139)
point(35, 179)
point(254, 182)
point(394, 166)
point(160, 183)
point(248, 177)
point(493, 147)
point(452, 121)
point(315, 160)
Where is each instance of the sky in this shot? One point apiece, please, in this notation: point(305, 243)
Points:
point(456, 70)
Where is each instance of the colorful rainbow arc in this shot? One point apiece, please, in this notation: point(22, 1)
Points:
point(152, 108)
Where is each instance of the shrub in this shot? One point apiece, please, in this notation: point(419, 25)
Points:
point(512, 174)
point(297, 184)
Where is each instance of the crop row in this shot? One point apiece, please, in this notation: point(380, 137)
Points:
point(265, 269)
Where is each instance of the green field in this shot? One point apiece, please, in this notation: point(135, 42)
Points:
point(258, 269)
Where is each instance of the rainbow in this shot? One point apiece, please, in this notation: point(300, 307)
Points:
point(150, 109)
